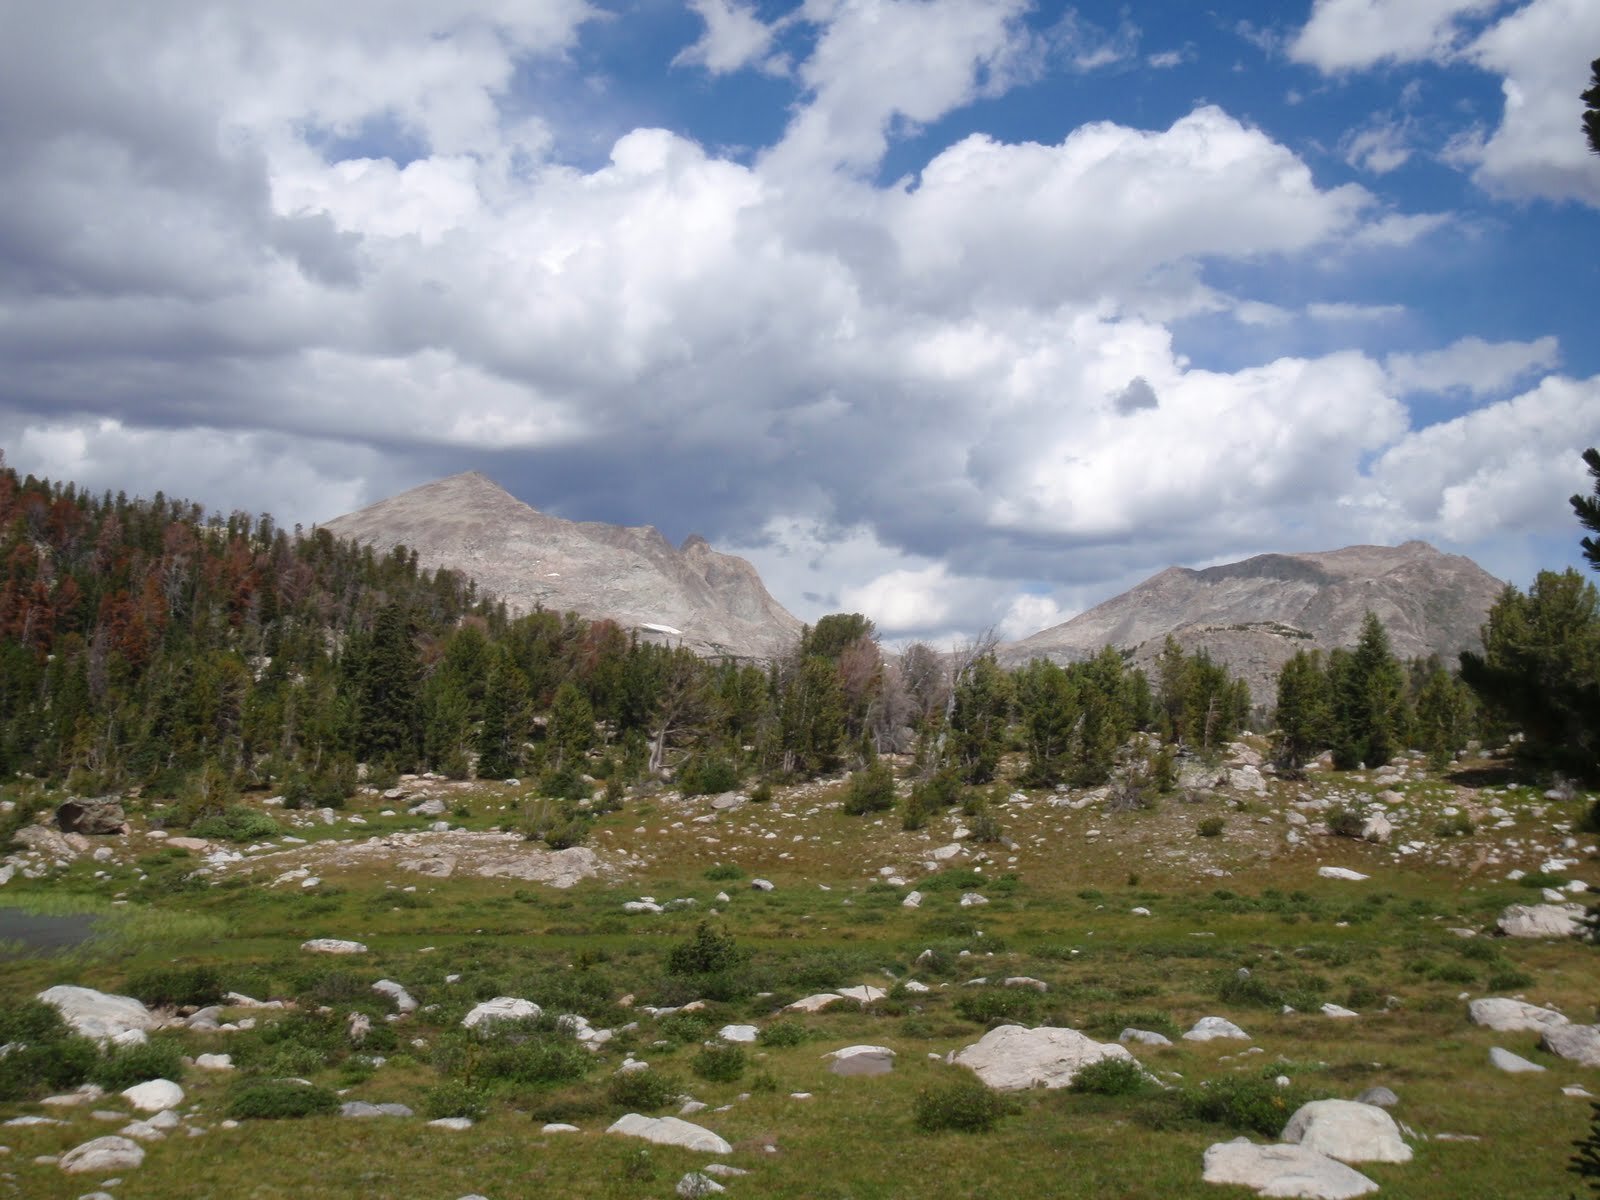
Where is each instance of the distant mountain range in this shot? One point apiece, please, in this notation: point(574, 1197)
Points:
point(1253, 615)
point(713, 603)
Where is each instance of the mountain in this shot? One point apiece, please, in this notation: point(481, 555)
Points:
point(1253, 615)
point(713, 603)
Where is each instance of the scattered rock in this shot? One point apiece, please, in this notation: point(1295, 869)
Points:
point(1145, 1037)
point(739, 1033)
point(455, 1124)
point(914, 900)
point(1542, 920)
point(1347, 1130)
point(100, 816)
point(1576, 1043)
point(98, 1015)
point(1513, 1063)
point(670, 1131)
point(1209, 1029)
point(1380, 1097)
point(214, 1062)
point(396, 992)
point(1012, 1058)
point(1284, 1171)
point(1512, 1016)
point(863, 993)
point(1340, 873)
point(333, 946)
point(1338, 1011)
point(762, 885)
point(972, 899)
point(103, 1155)
point(695, 1184)
point(1377, 828)
point(154, 1095)
point(861, 1060)
point(361, 1109)
point(501, 1008)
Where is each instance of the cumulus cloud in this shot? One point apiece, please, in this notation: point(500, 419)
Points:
point(1344, 35)
point(1472, 365)
point(734, 38)
point(1136, 397)
point(1381, 146)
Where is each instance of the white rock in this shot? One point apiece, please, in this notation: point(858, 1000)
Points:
point(640, 906)
point(1012, 1058)
point(914, 900)
point(1026, 981)
point(456, 1124)
point(333, 946)
point(862, 1060)
point(103, 1155)
point(1209, 1029)
point(762, 885)
point(154, 1095)
point(1542, 920)
point(1512, 1016)
point(864, 993)
point(558, 1127)
point(670, 1131)
point(1340, 873)
point(1338, 1011)
point(214, 1062)
point(1284, 1171)
point(816, 1003)
point(972, 899)
point(98, 1015)
point(695, 1184)
point(946, 853)
point(396, 992)
point(739, 1033)
point(501, 1008)
point(1576, 1043)
point(1347, 1130)
point(1513, 1063)
point(1145, 1037)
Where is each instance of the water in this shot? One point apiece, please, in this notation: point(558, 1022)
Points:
point(35, 933)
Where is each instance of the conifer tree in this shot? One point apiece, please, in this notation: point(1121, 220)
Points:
point(1304, 711)
point(1368, 692)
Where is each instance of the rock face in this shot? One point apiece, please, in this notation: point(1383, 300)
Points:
point(98, 1015)
point(1253, 615)
point(1347, 1130)
point(103, 815)
point(1542, 920)
point(1012, 1058)
point(670, 1131)
point(1513, 1016)
point(713, 603)
point(1284, 1171)
point(1577, 1043)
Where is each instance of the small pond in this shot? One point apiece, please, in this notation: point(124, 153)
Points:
point(37, 933)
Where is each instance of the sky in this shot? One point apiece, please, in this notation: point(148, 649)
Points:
point(962, 314)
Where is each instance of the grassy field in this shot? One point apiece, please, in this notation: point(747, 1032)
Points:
point(1061, 895)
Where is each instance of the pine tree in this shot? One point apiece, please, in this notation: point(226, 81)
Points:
point(1048, 710)
point(1588, 507)
point(1304, 711)
point(982, 703)
point(571, 729)
point(1368, 690)
point(388, 683)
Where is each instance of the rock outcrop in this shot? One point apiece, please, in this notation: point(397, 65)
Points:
point(1011, 1058)
point(691, 594)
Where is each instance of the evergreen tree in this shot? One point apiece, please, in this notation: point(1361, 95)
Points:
point(1591, 104)
point(982, 704)
point(388, 682)
point(1588, 507)
point(1047, 706)
point(507, 719)
point(1446, 716)
point(1368, 692)
point(571, 729)
point(1304, 711)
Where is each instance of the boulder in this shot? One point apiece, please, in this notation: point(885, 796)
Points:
point(361, 1109)
point(396, 992)
point(1340, 873)
point(739, 1033)
point(670, 1131)
point(761, 885)
point(501, 1008)
point(1380, 1096)
point(1576, 1043)
point(46, 841)
point(1513, 1064)
point(1347, 1130)
point(1011, 1058)
point(861, 1060)
point(333, 946)
point(1512, 1016)
point(214, 1062)
point(98, 1015)
point(1338, 1011)
point(815, 1003)
point(695, 1184)
point(972, 899)
point(100, 816)
point(1146, 1037)
point(1209, 1029)
point(103, 1156)
point(1284, 1171)
point(154, 1095)
point(864, 993)
point(1542, 920)
point(1377, 828)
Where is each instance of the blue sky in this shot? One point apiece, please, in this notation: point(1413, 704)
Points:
point(958, 313)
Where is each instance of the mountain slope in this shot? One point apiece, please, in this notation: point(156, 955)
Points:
point(715, 603)
point(1253, 615)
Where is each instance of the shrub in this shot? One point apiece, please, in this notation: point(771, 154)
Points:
point(707, 775)
point(537, 1060)
point(564, 783)
point(277, 1099)
point(997, 1005)
point(236, 823)
point(724, 871)
point(942, 790)
point(1542, 879)
point(708, 952)
point(1234, 988)
point(1211, 827)
point(454, 1098)
point(1252, 1104)
point(1459, 825)
point(783, 1033)
point(32, 1022)
point(871, 790)
point(761, 793)
point(985, 826)
point(169, 987)
point(39, 1068)
point(684, 1027)
point(965, 1104)
point(1505, 979)
point(643, 1090)
point(124, 1066)
point(567, 834)
point(1345, 822)
point(1111, 1077)
point(718, 1063)
point(913, 813)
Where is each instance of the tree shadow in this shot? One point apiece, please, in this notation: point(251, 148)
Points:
point(1494, 775)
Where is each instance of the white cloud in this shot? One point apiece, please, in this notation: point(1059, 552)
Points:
point(1542, 53)
point(1341, 311)
point(1472, 365)
point(1344, 35)
point(1166, 59)
point(734, 38)
point(1380, 147)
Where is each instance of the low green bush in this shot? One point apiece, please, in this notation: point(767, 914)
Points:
point(169, 987)
point(454, 1098)
point(1211, 827)
point(718, 1063)
point(709, 951)
point(1250, 1104)
point(124, 1066)
point(279, 1099)
point(998, 1005)
point(33, 1069)
point(964, 1104)
point(870, 790)
point(724, 871)
point(1345, 822)
point(784, 1033)
point(1111, 1077)
point(236, 823)
point(707, 775)
point(641, 1091)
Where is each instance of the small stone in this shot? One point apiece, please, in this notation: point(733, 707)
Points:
point(1513, 1063)
point(558, 1127)
point(333, 946)
point(696, 1184)
point(454, 1123)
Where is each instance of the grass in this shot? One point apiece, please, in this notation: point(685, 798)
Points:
point(1060, 910)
